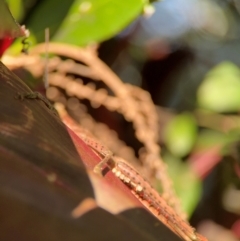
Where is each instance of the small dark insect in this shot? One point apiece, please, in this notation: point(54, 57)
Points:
point(36, 95)
point(25, 45)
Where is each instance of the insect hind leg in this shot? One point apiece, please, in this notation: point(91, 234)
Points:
point(106, 161)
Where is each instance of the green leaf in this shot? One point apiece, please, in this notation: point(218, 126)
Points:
point(180, 134)
point(186, 183)
point(220, 90)
point(16, 8)
point(8, 26)
point(92, 21)
point(48, 14)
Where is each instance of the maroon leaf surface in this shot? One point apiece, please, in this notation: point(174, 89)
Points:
point(45, 190)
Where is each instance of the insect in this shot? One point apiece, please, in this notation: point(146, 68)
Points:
point(150, 198)
point(25, 45)
point(25, 42)
point(36, 95)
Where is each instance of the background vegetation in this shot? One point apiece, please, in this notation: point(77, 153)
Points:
point(185, 53)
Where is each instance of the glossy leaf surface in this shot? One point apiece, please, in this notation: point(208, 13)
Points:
point(44, 184)
point(97, 20)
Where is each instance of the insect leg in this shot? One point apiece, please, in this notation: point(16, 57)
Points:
point(105, 161)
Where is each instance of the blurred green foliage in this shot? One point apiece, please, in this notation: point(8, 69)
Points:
point(17, 9)
point(8, 25)
point(181, 134)
point(96, 20)
point(220, 89)
point(79, 22)
point(186, 182)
